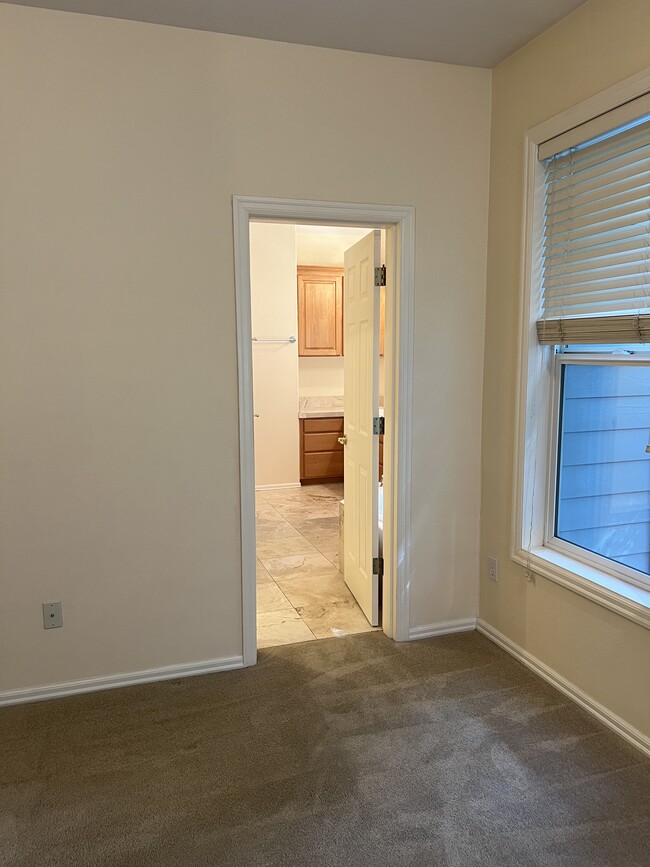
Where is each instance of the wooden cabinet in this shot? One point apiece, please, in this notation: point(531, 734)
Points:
point(320, 310)
point(321, 454)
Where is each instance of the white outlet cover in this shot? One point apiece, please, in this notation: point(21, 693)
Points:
point(52, 615)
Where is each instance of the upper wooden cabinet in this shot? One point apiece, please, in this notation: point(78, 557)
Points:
point(320, 310)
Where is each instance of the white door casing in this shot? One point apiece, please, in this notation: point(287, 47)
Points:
point(399, 222)
point(361, 405)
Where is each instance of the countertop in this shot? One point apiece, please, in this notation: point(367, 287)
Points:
point(325, 406)
point(321, 407)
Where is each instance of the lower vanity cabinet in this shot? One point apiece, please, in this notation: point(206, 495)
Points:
point(321, 454)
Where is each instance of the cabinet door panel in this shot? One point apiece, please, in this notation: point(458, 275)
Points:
point(320, 311)
point(323, 465)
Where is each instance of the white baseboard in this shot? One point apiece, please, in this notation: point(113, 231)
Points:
point(445, 628)
point(277, 487)
point(595, 708)
point(94, 684)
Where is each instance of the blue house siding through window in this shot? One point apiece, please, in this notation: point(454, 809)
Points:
point(603, 501)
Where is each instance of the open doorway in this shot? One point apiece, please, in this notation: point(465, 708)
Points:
point(363, 428)
point(305, 589)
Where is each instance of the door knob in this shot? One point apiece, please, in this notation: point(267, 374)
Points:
point(343, 440)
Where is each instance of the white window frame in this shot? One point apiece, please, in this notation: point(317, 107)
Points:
point(589, 558)
point(533, 544)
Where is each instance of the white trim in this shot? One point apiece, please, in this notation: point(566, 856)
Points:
point(601, 565)
point(595, 708)
point(603, 571)
point(624, 91)
point(241, 218)
point(622, 597)
point(596, 127)
point(536, 382)
point(277, 487)
point(398, 570)
point(534, 361)
point(447, 627)
point(114, 681)
point(401, 352)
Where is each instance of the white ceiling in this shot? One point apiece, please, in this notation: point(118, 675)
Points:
point(469, 32)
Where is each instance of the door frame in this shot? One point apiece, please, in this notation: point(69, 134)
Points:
point(398, 361)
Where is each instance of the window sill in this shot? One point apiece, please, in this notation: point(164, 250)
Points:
point(625, 599)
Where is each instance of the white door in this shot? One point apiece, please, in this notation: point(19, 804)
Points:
point(361, 405)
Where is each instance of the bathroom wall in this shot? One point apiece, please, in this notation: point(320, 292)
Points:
point(280, 375)
point(274, 313)
point(321, 376)
point(325, 245)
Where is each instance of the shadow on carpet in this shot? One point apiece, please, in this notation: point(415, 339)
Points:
point(336, 753)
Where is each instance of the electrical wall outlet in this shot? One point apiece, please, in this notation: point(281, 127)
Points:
point(52, 615)
point(493, 568)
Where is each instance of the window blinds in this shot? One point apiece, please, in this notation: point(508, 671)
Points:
point(596, 235)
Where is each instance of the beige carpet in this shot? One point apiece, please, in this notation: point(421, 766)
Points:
point(355, 751)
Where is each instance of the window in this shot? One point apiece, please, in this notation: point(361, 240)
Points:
point(583, 481)
point(602, 491)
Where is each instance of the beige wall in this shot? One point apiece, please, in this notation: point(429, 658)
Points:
point(274, 313)
point(321, 376)
point(122, 145)
point(325, 247)
point(603, 654)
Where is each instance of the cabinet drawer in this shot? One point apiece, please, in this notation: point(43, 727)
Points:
point(323, 465)
point(322, 442)
point(323, 425)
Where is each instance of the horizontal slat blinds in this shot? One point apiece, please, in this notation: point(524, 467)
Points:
point(599, 330)
point(596, 239)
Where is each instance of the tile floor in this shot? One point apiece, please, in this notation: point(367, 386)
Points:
point(301, 594)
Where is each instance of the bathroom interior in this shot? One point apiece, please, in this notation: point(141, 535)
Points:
point(297, 291)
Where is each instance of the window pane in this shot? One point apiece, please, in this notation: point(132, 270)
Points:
point(603, 501)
